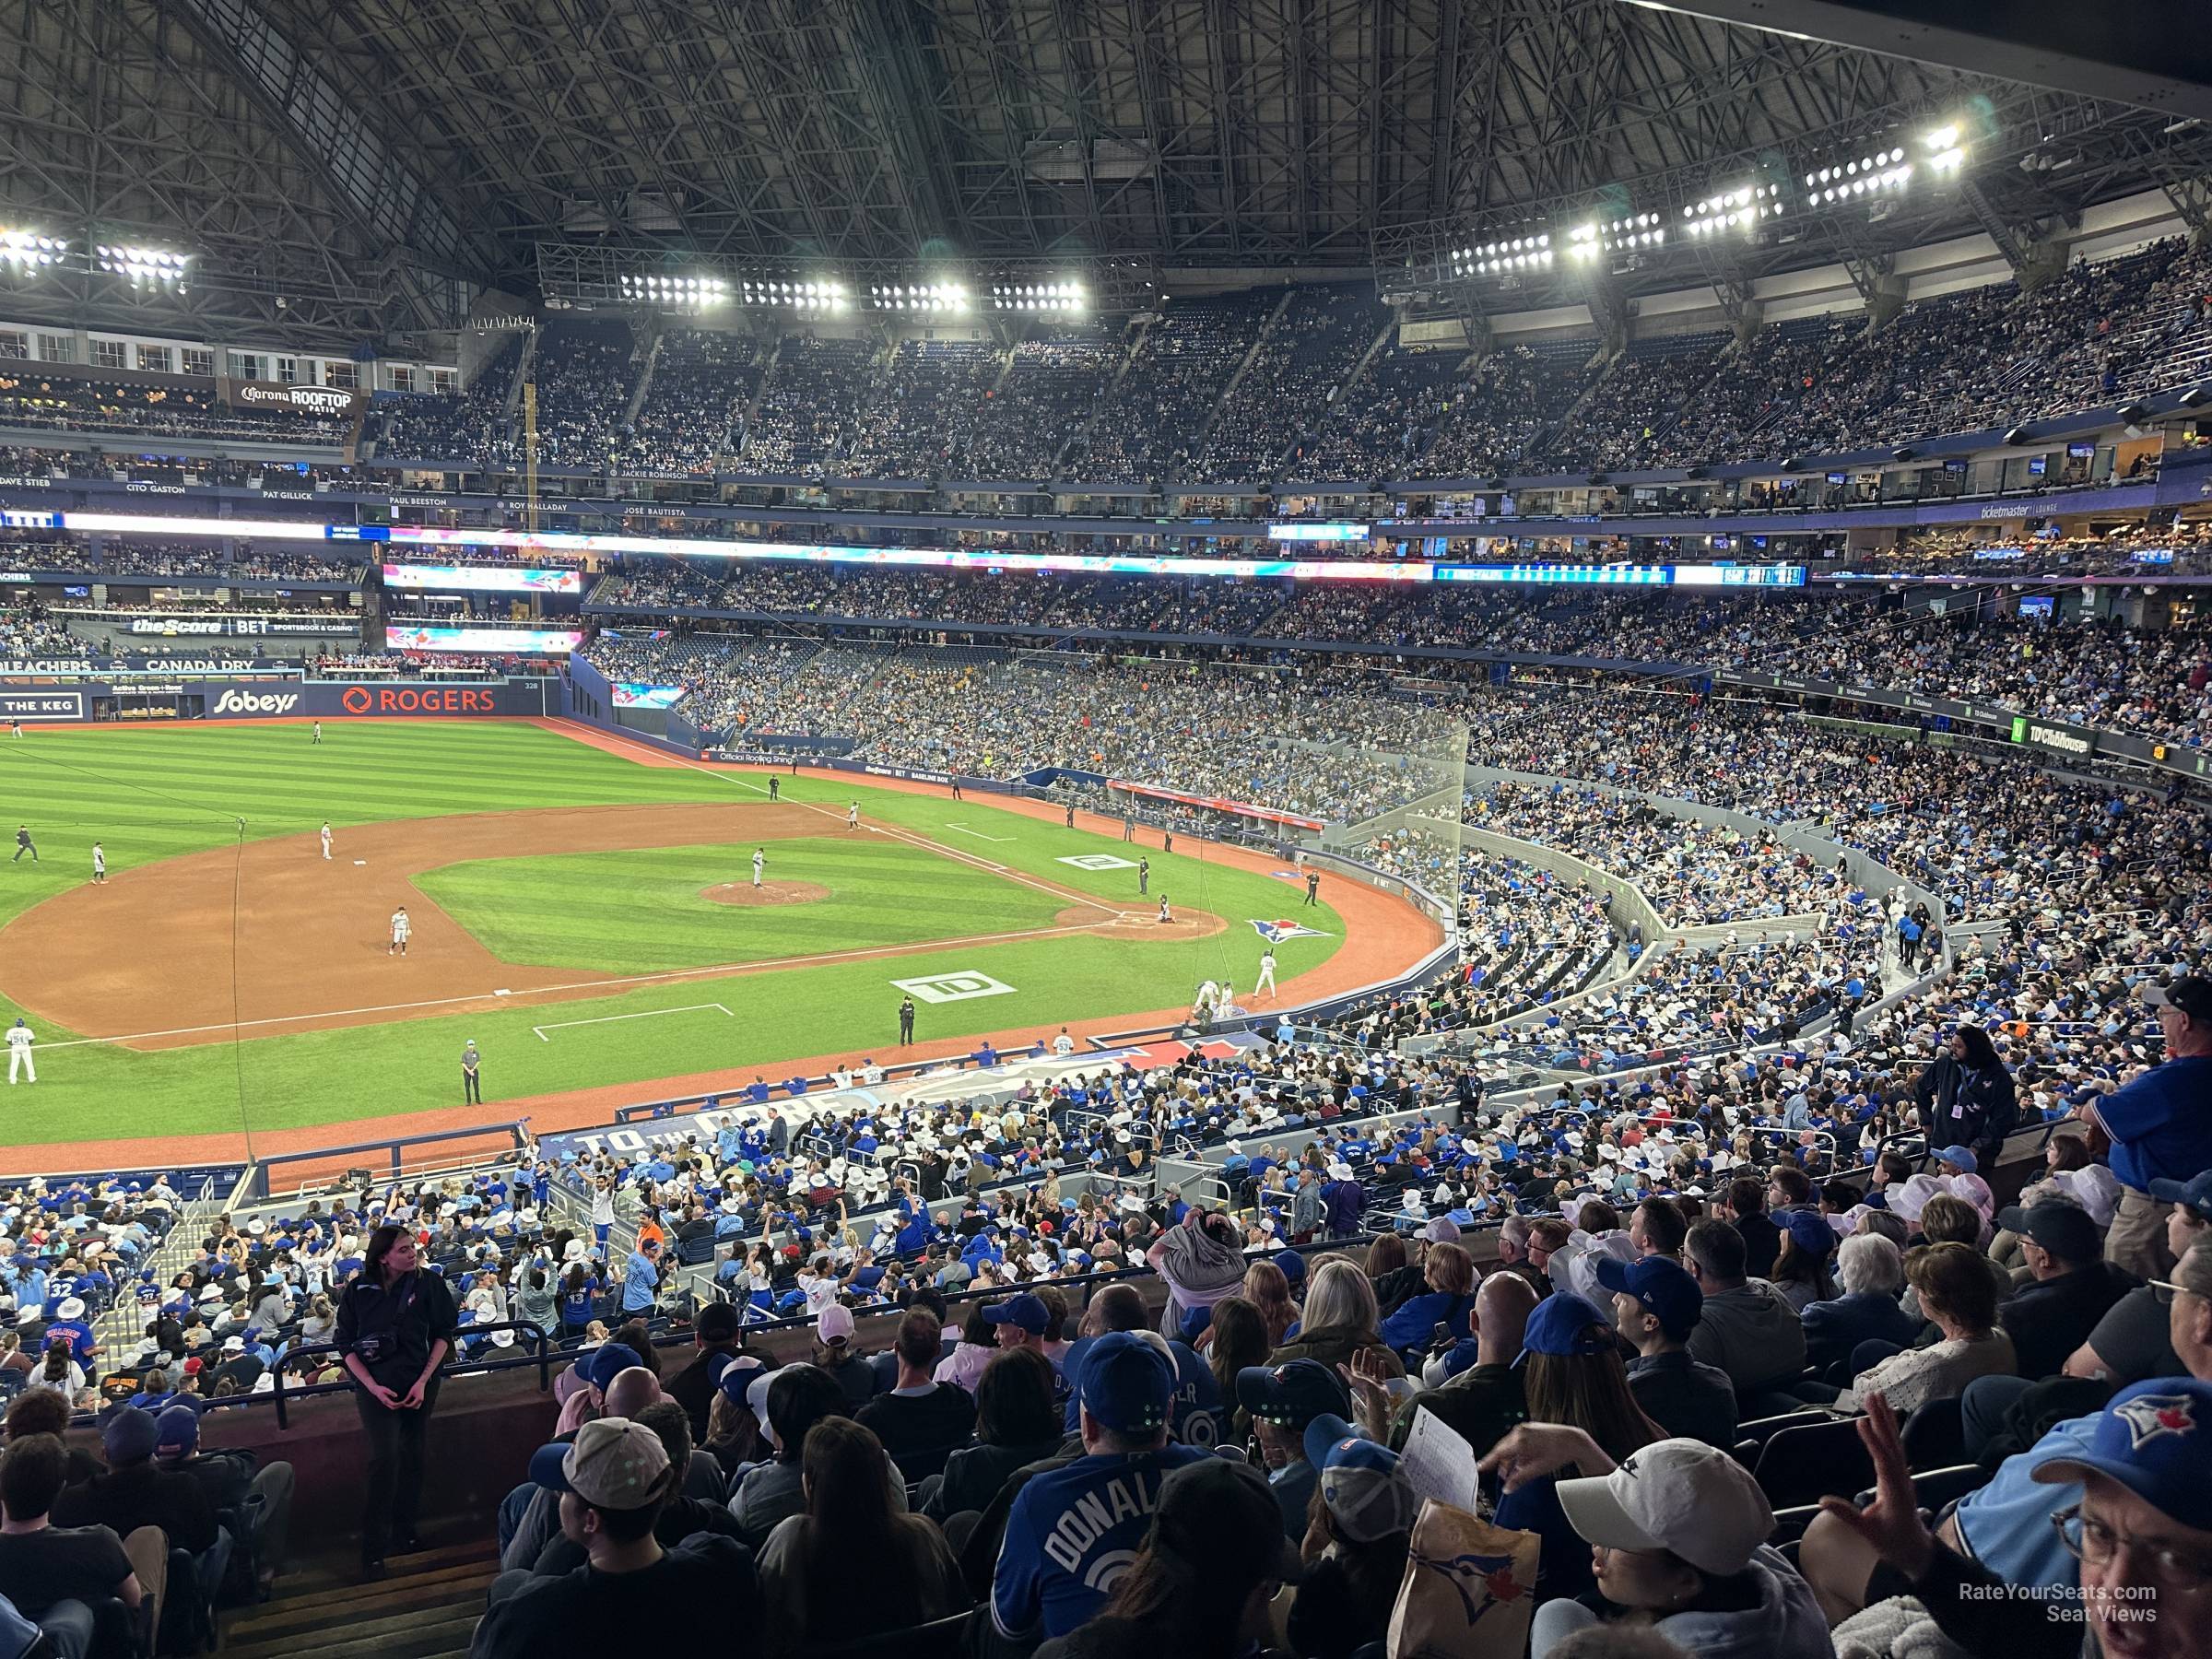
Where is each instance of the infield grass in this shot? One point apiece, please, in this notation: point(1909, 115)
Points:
point(881, 892)
point(149, 794)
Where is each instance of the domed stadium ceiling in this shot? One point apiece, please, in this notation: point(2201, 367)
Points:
point(369, 167)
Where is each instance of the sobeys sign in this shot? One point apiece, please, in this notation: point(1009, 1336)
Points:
point(327, 403)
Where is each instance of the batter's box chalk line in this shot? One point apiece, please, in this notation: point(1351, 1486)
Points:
point(558, 1025)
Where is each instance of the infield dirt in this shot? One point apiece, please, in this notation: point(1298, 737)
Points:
point(147, 956)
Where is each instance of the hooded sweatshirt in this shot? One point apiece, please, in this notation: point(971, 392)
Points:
point(1786, 1623)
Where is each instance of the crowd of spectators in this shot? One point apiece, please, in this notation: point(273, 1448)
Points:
point(1303, 360)
point(923, 410)
point(1632, 408)
point(27, 631)
point(1053, 386)
point(1047, 602)
point(2155, 682)
point(1383, 424)
point(1732, 1233)
point(584, 372)
point(1515, 396)
point(810, 408)
point(702, 381)
point(1155, 413)
point(464, 428)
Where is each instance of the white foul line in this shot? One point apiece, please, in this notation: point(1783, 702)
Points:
point(861, 954)
point(558, 1025)
point(978, 833)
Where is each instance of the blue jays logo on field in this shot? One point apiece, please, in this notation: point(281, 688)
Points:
point(1275, 933)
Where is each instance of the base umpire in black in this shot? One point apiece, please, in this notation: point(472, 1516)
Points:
point(906, 1021)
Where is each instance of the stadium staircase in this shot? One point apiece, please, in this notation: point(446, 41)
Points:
point(1244, 366)
point(1077, 444)
point(119, 1326)
point(523, 371)
point(744, 420)
point(427, 1608)
point(651, 353)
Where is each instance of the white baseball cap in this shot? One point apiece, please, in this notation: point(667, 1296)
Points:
point(1679, 1495)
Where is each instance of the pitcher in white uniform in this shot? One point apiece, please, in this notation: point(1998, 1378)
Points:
point(760, 864)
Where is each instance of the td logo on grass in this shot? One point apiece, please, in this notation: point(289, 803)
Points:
point(959, 985)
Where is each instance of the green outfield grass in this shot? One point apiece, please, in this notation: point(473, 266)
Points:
point(151, 794)
point(582, 910)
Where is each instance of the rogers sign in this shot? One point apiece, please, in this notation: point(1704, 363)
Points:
point(417, 700)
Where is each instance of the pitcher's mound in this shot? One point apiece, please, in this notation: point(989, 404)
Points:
point(768, 892)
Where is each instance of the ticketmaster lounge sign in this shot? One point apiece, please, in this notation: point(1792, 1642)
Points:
point(322, 403)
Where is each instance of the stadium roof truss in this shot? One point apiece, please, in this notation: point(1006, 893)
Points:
point(374, 163)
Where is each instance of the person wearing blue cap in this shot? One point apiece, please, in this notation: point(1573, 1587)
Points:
point(1801, 1271)
point(1364, 1524)
point(135, 1491)
point(2161, 1123)
point(1283, 1400)
point(1656, 1305)
point(1572, 1375)
point(1957, 1160)
point(2140, 1535)
point(1069, 1528)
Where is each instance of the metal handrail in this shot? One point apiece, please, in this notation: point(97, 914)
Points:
point(454, 1365)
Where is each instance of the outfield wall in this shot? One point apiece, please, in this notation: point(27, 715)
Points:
point(80, 701)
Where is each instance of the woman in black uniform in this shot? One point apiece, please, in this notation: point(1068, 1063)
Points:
point(396, 1325)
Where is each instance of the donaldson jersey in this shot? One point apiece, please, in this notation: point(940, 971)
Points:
point(1071, 1533)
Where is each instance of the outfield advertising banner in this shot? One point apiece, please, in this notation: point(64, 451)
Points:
point(629, 695)
point(483, 579)
point(29, 706)
point(486, 641)
point(294, 700)
point(232, 627)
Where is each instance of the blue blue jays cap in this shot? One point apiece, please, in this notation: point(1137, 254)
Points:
point(1564, 1325)
point(1661, 1285)
point(1127, 1382)
point(2156, 1440)
point(2193, 1195)
point(1293, 1394)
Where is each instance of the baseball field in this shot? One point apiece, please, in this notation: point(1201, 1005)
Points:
point(583, 911)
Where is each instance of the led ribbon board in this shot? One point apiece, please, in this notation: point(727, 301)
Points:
point(487, 641)
point(483, 579)
point(941, 558)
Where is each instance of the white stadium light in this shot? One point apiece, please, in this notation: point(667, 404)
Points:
point(27, 252)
